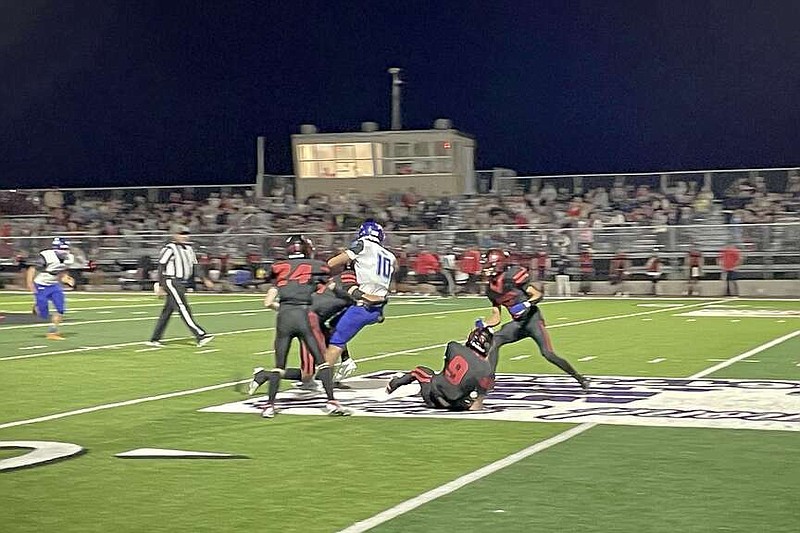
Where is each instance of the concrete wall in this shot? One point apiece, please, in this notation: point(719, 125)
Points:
point(433, 184)
point(755, 288)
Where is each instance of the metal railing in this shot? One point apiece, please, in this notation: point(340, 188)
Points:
point(775, 239)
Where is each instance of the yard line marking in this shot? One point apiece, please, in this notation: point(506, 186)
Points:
point(656, 360)
point(125, 403)
point(646, 319)
point(736, 320)
point(139, 312)
point(745, 355)
point(462, 481)
point(452, 486)
point(247, 314)
point(537, 447)
point(127, 303)
point(112, 320)
point(120, 345)
point(210, 350)
point(103, 312)
point(123, 345)
point(587, 358)
point(518, 357)
point(264, 352)
point(33, 347)
point(564, 325)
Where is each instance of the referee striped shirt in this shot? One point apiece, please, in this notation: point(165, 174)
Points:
point(177, 261)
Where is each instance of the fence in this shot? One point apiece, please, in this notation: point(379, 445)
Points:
point(722, 182)
point(778, 240)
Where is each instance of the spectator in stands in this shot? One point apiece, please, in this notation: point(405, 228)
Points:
point(694, 270)
point(654, 268)
point(729, 260)
point(586, 264)
point(540, 264)
point(562, 266)
point(619, 271)
point(429, 270)
point(470, 264)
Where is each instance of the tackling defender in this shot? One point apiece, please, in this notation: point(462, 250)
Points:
point(46, 285)
point(467, 369)
point(374, 266)
point(295, 280)
point(329, 303)
point(510, 287)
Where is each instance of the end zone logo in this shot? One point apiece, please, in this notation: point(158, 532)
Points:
point(723, 403)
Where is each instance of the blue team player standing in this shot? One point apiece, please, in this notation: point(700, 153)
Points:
point(46, 285)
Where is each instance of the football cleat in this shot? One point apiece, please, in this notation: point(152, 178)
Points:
point(54, 337)
point(154, 344)
point(345, 370)
point(334, 408)
point(311, 385)
point(253, 386)
point(584, 381)
point(205, 339)
point(269, 411)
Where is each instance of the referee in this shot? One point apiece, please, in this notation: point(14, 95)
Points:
point(175, 271)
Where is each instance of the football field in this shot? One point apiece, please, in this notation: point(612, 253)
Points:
point(692, 423)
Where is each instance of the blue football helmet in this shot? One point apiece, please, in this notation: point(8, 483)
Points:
point(371, 229)
point(60, 243)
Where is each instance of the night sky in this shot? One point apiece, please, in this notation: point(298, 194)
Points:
point(158, 92)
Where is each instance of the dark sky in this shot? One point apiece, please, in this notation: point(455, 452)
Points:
point(119, 92)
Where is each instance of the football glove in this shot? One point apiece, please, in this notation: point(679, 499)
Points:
point(518, 310)
point(68, 280)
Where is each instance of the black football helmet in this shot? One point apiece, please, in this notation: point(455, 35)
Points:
point(298, 246)
point(479, 340)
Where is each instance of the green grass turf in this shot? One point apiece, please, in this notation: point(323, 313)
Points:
point(320, 474)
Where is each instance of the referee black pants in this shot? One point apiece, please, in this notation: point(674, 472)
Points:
point(176, 301)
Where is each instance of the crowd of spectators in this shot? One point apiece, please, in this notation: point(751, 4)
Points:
point(745, 200)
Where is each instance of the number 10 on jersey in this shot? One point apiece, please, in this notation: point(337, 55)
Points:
point(384, 267)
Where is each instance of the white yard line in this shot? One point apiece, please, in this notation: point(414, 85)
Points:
point(452, 486)
point(758, 349)
point(656, 360)
point(127, 304)
point(121, 404)
point(518, 357)
point(587, 358)
point(121, 345)
point(230, 384)
point(137, 319)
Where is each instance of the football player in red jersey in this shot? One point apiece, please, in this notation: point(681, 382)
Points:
point(510, 287)
point(295, 280)
point(466, 370)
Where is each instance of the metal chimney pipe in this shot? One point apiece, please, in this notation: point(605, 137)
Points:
point(396, 83)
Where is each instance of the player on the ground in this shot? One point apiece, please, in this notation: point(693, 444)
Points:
point(295, 280)
point(466, 370)
point(374, 266)
point(510, 287)
point(46, 286)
